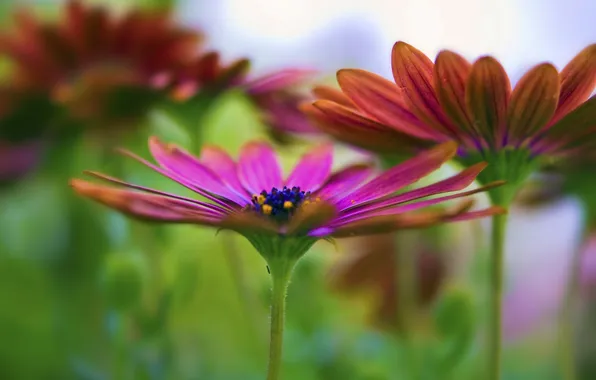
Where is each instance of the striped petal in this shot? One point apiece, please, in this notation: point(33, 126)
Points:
point(220, 162)
point(487, 95)
point(258, 168)
point(413, 73)
point(455, 183)
point(398, 208)
point(389, 223)
point(313, 169)
point(533, 102)
point(383, 101)
point(344, 181)
point(451, 72)
point(347, 125)
point(401, 175)
point(328, 93)
point(183, 164)
point(147, 206)
point(578, 79)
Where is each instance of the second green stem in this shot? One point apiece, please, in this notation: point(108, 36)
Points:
point(499, 225)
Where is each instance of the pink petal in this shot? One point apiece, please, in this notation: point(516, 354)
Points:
point(183, 164)
point(220, 162)
point(258, 168)
point(401, 208)
point(401, 175)
point(225, 203)
point(313, 169)
point(279, 80)
point(455, 183)
point(345, 180)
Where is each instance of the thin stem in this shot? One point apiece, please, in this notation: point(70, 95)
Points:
point(499, 224)
point(280, 272)
point(567, 313)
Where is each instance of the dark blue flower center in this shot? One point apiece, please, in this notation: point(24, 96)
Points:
point(280, 204)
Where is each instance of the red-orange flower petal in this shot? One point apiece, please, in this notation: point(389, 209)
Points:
point(413, 73)
point(533, 102)
point(578, 79)
point(383, 100)
point(450, 76)
point(487, 96)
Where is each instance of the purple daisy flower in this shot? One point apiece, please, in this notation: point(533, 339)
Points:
point(251, 196)
point(284, 217)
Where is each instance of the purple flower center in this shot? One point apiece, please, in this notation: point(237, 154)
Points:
point(280, 204)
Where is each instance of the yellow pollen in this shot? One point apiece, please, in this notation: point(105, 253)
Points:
point(267, 209)
point(260, 199)
point(318, 199)
point(288, 205)
point(306, 203)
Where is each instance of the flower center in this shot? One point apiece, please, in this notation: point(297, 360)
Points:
point(280, 204)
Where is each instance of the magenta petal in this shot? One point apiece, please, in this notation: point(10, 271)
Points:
point(455, 183)
point(313, 169)
point(225, 203)
point(401, 175)
point(220, 162)
point(183, 164)
point(202, 205)
point(404, 208)
point(258, 167)
point(278, 80)
point(344, 181)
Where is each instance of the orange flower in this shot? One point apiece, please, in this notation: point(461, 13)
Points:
point(473, 104)
point(547, 113)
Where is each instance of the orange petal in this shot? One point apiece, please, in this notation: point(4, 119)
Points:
point(450, 76)
point(381, 99)
point(349, 126)
point(487, 95)
point(311, 216)
point(413, 73)
point(533, 102)
point(328, 93)
point(578, 79)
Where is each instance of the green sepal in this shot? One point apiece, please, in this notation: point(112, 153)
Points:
point(512, 165)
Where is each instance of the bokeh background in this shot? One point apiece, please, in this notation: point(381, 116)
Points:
point(88, 294)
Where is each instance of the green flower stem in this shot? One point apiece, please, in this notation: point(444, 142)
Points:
point(281, 271)
point(499, 224)
point(567, 313)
